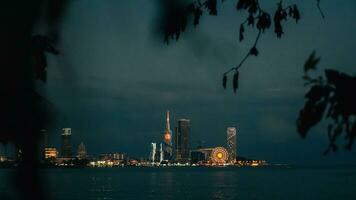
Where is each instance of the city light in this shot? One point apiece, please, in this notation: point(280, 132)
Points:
point(161, 153)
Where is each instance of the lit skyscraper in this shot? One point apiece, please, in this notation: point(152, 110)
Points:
point(161, 153)
point(153, 152)
point(182, 140)
point(231, 143)
point(66, 149)
point(167, 140)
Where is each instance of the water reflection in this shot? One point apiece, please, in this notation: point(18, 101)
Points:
point(224, 185)
point(101, 188)
point(192, 183)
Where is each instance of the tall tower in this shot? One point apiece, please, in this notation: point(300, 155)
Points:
point(231, 143)
point(182, 140)
point(167, 140)
point(66, 149)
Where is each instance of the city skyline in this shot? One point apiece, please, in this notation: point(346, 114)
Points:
point(178, 99)
point(68, 132)
point(157, 153)
point(160, 154)
point(139, 77)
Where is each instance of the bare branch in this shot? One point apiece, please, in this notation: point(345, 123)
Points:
point(321, 12)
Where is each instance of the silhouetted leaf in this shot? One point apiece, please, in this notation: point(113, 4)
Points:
point(242, 30)
point(197, 14)
point(243, 4)
point(279, 15)
point(235, 81)
point(290, 11)
point(251, 20)
point(253, 7)
point(254, 51)
point(332, 76)
point(309, 116)
point(264, 21)
point(211, 6)
point(296, 14)
point(311, 62)
point(224, 81)
point(317, 92)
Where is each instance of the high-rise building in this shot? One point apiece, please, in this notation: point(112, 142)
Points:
point(82, 152)
point(182, 140)
point(161, 153)
point(66, 148)
point(153, 153)
point(167, 141)
point(231, 143)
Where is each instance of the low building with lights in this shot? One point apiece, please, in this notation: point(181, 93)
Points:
point(210, 156)
point(50, 152)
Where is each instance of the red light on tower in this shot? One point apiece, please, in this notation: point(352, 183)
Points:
point(167, 137)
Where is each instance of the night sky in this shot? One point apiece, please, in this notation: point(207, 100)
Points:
point(115, 78)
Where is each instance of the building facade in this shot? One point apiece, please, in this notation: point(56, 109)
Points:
point(182, 141)
point(66, 148)
point(231, 143)
point(50, 152)
point(153, 152)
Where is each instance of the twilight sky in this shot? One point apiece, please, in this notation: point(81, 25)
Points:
point(116, 78)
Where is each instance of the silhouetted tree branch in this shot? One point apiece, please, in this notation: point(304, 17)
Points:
point(178, 13)
point(330, 97)
point(321, 12)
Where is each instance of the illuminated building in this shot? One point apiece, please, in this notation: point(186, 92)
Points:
point(167, 141)
point(219, 155)
point(153, 152)
point(119, 156)
point(182, 140)
point(112, 156)
point(231, 143)
point(161, 153)
point(206, 152)
point(66, 148)
point(82, 153)
point(50, 152)
point(215, 156)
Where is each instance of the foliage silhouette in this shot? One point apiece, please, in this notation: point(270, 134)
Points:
point(330, 97)
point(330, 94)
point(22, 61)
point(178, 13)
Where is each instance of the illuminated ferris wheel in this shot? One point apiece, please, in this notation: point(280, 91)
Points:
point(219, 155)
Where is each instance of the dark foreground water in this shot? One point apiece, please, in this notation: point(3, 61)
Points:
point(195, 183)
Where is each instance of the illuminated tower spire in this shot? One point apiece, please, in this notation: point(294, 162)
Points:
point(167, 140)
point(168, 126)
